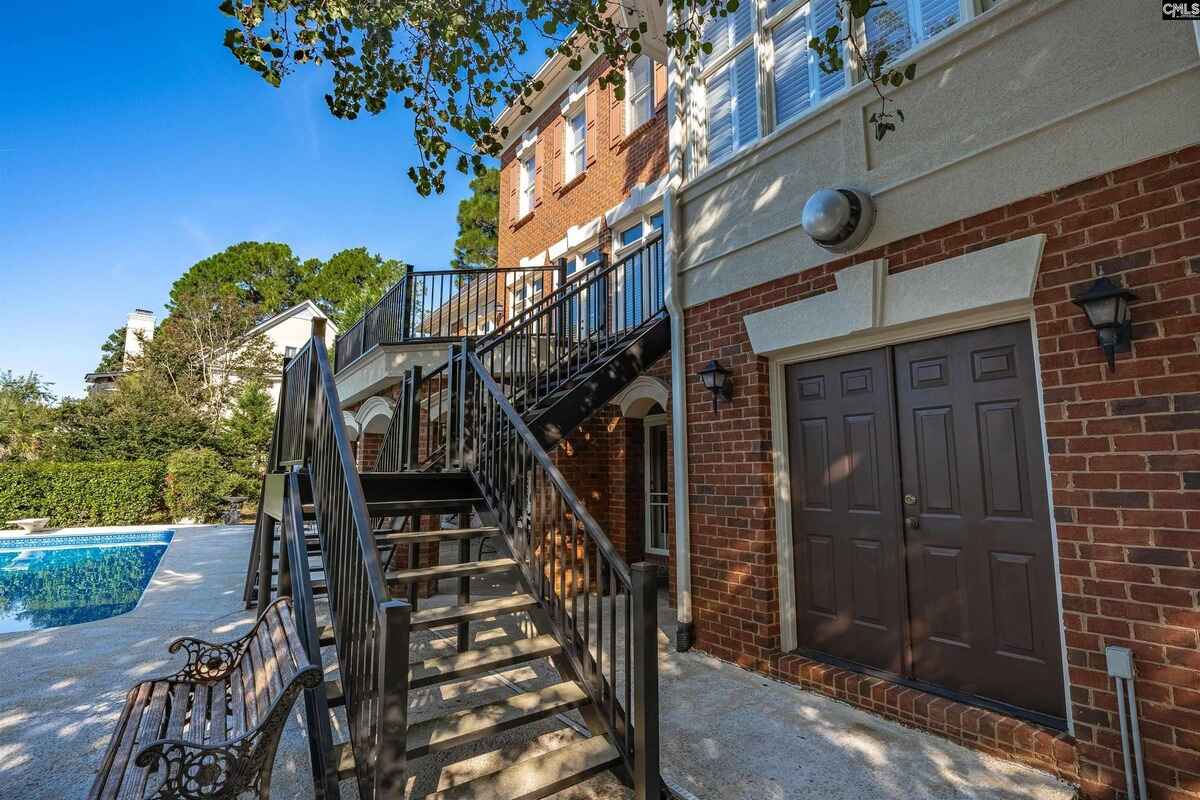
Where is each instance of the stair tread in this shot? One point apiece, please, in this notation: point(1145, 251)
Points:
point(473, 662)
point(452, 570)
point(413, 537)
point(480, 609)
point(471, 724)
point(343, 757)
point(334, 695)
point(540, 776)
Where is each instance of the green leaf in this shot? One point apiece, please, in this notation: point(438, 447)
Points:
point(910, 71)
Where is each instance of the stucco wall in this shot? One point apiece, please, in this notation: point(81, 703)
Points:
point(1033, 95)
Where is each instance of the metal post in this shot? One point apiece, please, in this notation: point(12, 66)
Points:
point(465, 348)
point(464, 585)
point(391, 745)
point(644, 638)
point(266, 547)
point(406, 306)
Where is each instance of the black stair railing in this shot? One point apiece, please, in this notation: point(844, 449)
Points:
point(535, 353)
point(605, 614)
point(437, 306)
point(370, 628)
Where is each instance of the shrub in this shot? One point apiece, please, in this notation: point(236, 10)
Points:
point(85, 493)
point(197, 480)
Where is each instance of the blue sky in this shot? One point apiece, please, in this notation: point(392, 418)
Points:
point(132, 145)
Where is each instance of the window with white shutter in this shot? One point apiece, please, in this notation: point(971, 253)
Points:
point(800, 83)
point(528, 174)
point(731, 96)
point(639, 89)
point(729, 74)
point(900, 25)
point(575, 146)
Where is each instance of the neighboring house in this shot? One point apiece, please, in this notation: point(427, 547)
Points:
point(927, 493)
point(139, 328)
point(288, 331)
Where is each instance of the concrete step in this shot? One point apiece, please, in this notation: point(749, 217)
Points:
point(538, 777)
point(480, 609)
point(471, 724)
point(451, 571)
point(447, 534)
point(474, 662)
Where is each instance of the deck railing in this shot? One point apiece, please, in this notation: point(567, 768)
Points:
point(604, 612)
point(370, 628)
point(438, 306)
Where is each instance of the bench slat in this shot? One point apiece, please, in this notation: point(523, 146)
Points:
point(124, 741)
point(262, 690)
point(237, 704)
point(249, 687)
point(283, 651)
point(299, 657)
point(179, 705)
point(270, 661)
point(217, 724)
point(149, 730)
point(199, 717)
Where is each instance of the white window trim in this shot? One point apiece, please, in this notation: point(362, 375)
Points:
point(648, 422)
point(528, 185)
point(646, 92)
point(699, 163)
point(576, 254)
point(571, 171)
point(643, 216)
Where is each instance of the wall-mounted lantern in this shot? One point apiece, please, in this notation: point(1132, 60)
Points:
point(838, 220)
point(716, 379)
point(1107, 309)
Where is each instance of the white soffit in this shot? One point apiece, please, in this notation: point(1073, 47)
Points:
point(867, 298)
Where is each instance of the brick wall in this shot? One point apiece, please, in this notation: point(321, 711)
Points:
point(615, 164)
point(1125, 469)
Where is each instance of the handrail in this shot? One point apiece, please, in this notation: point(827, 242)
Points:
point(371, 630)
point(431, 306)
point(556, 542)
point(295, 581)
point(538, 453)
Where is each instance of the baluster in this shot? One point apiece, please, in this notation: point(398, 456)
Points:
point(645, 693)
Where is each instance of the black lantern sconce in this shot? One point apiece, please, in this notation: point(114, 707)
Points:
point(716, 379)
point(1107, 308)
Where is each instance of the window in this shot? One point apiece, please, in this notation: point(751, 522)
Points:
point(734, 112)
point(639, 88)
point(631, 235)
point(657, 496)
point(899, 25)
point(656, 221)
point(800, 83)
point(579, 263)
point(289, 352)
point(525, 198)
point(576, 147)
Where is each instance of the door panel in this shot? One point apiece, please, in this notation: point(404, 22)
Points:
point(980, 565)
point(845, 517)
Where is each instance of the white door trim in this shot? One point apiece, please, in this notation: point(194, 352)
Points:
point(648, 422)
point(857, 322)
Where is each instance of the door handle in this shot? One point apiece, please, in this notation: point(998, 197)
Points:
point(912, 523)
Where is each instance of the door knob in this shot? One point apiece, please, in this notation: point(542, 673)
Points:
point(912, 523)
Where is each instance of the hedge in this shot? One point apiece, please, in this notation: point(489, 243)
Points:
point(197, 482)
point(83, 493)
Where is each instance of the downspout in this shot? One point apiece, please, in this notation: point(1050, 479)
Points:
point(674, 300)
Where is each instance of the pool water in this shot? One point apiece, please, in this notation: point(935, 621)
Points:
point(51, 581)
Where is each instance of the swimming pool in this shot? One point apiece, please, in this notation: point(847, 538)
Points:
point(51, 581)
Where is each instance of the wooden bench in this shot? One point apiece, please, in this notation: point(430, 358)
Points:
point(211, 729)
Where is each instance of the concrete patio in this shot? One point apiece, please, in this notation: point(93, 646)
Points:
point(727, 734)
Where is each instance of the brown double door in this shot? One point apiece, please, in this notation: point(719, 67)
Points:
point(919, 516)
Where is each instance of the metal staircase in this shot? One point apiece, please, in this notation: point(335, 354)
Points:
point(469, 441)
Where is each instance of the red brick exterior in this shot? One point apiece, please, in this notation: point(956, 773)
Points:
point(1125, 470)
point(616, 163)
